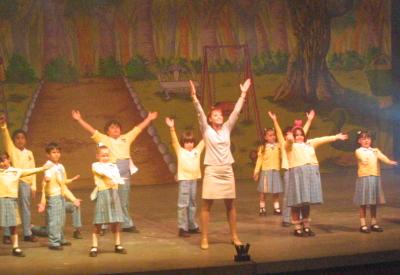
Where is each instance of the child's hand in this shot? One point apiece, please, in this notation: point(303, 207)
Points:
point(41, 207)
point(272, 115)
point(152, 115)
point(3, 119)
point(256, 176)
point(392, 162)
point(342, 136)
point(76, 115)
point(290, 137)
point(77, 202)
point(192, 90)
point(310, 115)
point(170, 122)
point(75, 178)
point(245, 86)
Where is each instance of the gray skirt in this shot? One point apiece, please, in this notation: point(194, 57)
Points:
point(304, 186)
point(270, 182)
point(218, 182)
point(9, 215)
point(369, 191)
point(108, 207)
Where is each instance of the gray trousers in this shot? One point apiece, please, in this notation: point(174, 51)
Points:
point(124, 192)
point(70, 208)
point(286, 210)
point(187, 205)
point(24, 201)
point(55, 211)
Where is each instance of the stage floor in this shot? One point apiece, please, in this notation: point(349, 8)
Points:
point(273, 248)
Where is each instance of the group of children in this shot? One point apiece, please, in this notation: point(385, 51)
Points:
point(289, 151)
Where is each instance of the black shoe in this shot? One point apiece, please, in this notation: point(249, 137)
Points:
point(286, 224)
point(132, 229)
point(120, 249)
point(183, 233)
point(77, 234)
point(262, 211)
point(66, 243)
point(277, 211)
point(195, 231)
point(364, 229)
point(308, 232)
point(6, 240)
point(53, 247)
point(298, 233)
point(17, 252)
point(31, 238)
point(93, 252)
point(376, 228)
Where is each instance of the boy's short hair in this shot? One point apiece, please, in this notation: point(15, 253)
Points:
point(187, 137)
point(19, 131)
point(111, 122)
point(4, 155)
point(52, 146)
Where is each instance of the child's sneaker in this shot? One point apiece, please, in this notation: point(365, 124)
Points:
point(77, 234)
point(18, 252)
point(183, 233)
point(262, 211)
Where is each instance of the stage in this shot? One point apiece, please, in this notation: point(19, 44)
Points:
point(273, 248)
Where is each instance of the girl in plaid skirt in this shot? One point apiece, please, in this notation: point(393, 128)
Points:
point(108, 206)
point(9, 183)
point(368, 190)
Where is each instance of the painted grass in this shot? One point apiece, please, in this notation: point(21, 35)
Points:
point(244, 137)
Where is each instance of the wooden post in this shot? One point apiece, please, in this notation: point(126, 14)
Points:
point(395, 39)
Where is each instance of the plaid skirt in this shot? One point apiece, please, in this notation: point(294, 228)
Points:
point(369, 191)
point(9, 214)
point(270, 182)
point(304, 186)
point(108, 207)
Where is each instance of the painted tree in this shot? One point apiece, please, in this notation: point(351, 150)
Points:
point(247, 11)
point(307, 74)
point(144, 25)
point(277, 15)
point(208, 15)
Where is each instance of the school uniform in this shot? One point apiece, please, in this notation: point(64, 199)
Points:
point(187, 174)
point(368, 189)
point(54, 192)
point(9, 184)
point(22, 159)
point(120, 155)
point(267, 166)
point(304, 177)
point(108, 206)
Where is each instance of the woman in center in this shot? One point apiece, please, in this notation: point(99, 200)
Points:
point(218, 181)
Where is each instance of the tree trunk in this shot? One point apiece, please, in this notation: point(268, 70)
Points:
point(307, 75)
point(107, 42)
point(263, 45)
point(83, 27)
point(145, 41)
point(184, 31)
point(20, 38)
point(171, 25)
point(278, 16)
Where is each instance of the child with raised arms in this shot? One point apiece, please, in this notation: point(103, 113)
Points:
point(188, 157)
point(20, 157)
point(368, 191)
point(119, 145)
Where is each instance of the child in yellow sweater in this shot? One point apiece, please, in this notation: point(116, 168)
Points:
point(22, 158)
point(368, 190)
point(54, 192)
point(188, 157)
point(108, 207)
point(9, 184)
point(266, 171)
